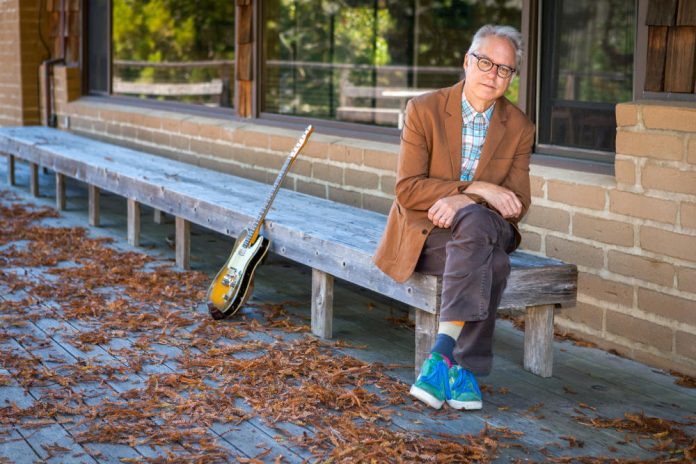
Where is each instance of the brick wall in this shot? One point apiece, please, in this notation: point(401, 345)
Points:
point(10, 95)
point(633, 235)
point(21, 53)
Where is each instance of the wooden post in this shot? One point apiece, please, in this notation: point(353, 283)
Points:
point(183, 243)
point(426, 332)
point(157, 216)
point(538, 340)
point(34, 179)
point(10, 169)
point(133, 222)
point(60, 191)
point(322, 303)
point(93, 201)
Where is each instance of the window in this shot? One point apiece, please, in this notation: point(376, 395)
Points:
point(361, 60)
point(174, 50)
point(586, 68)
point(98, 40)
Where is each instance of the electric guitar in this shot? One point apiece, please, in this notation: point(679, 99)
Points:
point(233, 283)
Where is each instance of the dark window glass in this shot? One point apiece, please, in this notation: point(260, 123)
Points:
point(587, 67)
point(361, 60)
point(174, 50)
point(98, 40)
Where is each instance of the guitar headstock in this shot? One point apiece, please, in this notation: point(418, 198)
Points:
point(302, 141)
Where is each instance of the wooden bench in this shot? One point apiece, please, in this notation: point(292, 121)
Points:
point(335, 240)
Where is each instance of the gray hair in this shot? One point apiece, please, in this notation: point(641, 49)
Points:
point(506, 32)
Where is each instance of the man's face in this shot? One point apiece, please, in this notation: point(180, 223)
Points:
point(486, 87)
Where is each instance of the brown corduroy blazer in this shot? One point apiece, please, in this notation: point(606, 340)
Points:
point(429, 169)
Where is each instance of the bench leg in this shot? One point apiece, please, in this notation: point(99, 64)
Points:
point(538, 340)
point(426, 332)
point(60, 191)
point(157, 216)
point(10, 169)
point(34, 179)
point(322, 304)
point(133, 222)
point(183, 243)
point(93, 205)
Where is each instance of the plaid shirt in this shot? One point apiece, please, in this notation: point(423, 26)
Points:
point(474, 130)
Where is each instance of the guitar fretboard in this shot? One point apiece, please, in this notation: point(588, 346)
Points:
point(255, 226)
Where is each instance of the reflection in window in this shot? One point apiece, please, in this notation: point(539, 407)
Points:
point(361, 60)
point(174, 50)
point(587, 68)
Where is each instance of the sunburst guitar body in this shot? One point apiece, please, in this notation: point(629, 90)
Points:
point(233, 284)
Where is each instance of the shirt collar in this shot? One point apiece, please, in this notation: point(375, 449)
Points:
point(468, 111)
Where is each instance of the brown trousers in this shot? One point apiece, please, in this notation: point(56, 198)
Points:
point(472, 256)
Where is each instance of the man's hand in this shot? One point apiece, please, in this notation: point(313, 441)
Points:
point(442, 212)
point(502, 199)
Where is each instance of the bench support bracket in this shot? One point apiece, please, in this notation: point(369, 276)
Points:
point(60, 191)
point(426, 332)
point(183, 243)
point(157, 216)
point(133, 222)
point(322, 303)
point(11, 169)
point(34, 179)
point(93, 201)
point(538, 340)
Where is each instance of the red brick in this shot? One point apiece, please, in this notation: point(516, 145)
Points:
point(586, 314)
point(310, 188)
point(626, 114)
point(641, 267)
point(574, 252)
point(685, 344)
point(586, 196)
point(639, 330)
point(691, 156)
point(605, 289)
point(669, 243)
point(537, 186)
point(548, 218)
point(603, 230)
point(652, 145)
point(686, 279)
point(361, 179)
point(667, 306)
point(668, 179)
point(688, 215)
point(643, 206)
point(327, 173)
point(531, 241)
point(388, 184)
point(672, 117)
point(380, 160)
point(344, 196)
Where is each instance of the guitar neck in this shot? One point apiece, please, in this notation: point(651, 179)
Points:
point(256, 225)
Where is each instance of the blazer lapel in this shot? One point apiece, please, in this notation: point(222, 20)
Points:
point(453, 127)
point(496, 132)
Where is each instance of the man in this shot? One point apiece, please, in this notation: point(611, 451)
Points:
point(462, 186)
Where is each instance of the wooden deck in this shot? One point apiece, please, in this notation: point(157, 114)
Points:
point(92, 397)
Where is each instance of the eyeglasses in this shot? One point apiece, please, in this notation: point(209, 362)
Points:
point(485, 65)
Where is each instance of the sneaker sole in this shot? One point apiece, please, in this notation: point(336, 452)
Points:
point(425, 397)
point(468, 405)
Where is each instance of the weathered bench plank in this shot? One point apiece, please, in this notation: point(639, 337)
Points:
point(333, 239)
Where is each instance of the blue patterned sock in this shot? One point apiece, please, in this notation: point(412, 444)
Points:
point(444, 344)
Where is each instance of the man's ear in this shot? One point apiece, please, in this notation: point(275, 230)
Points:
point(466, 61)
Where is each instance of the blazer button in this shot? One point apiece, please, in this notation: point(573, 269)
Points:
point(425, 231)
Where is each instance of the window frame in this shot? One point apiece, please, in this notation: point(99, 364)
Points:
point(529, 96)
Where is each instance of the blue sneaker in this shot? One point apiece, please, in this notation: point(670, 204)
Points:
point(464, 392)
point(431, 386)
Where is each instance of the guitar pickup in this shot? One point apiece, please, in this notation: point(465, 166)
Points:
point(230, 278)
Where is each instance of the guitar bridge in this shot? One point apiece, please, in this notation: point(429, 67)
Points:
point(230, 278)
